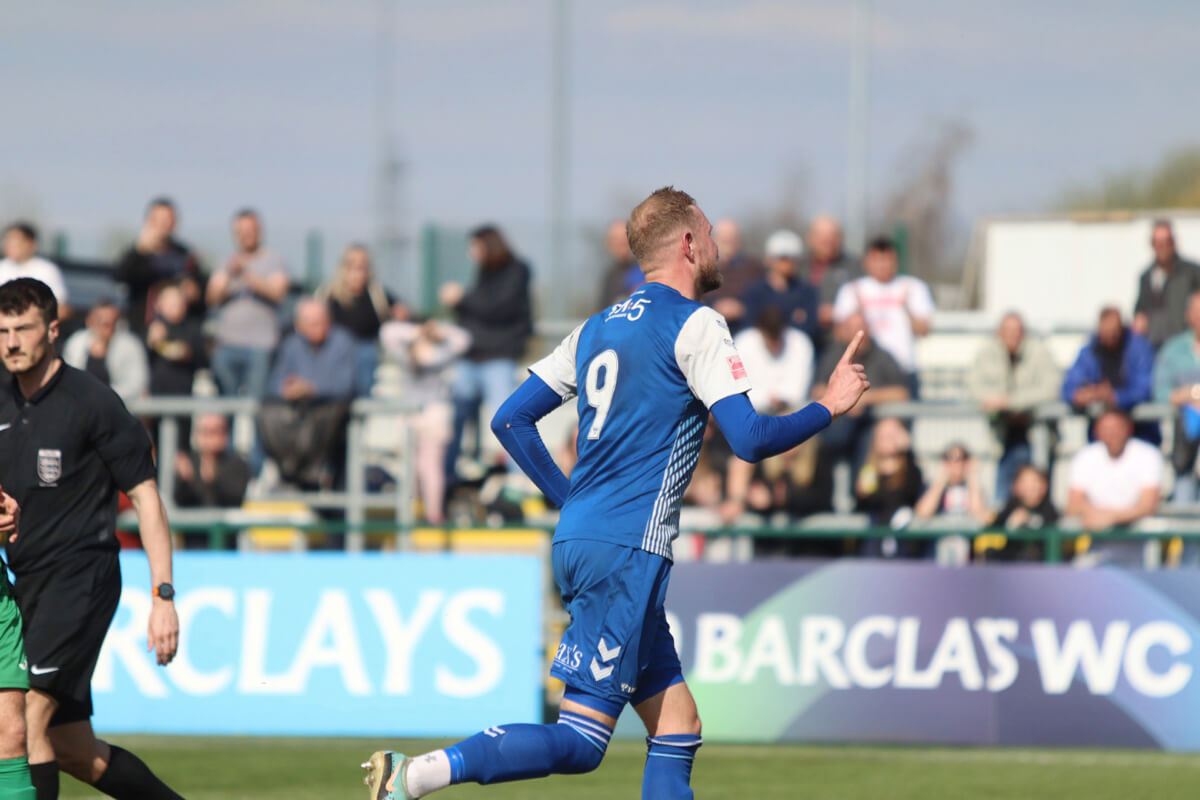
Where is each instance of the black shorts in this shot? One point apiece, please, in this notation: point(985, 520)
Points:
point(66, 613)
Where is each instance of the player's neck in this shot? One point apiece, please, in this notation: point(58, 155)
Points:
point(684, 284)
point(39, 376)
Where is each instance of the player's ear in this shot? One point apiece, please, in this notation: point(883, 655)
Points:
point(52, 331)
point(689, 246)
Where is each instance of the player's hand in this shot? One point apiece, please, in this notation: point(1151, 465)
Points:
point(164, 631)
point(10, 516)
point(848, 381)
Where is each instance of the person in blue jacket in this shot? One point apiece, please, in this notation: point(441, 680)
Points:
point(1114, 370)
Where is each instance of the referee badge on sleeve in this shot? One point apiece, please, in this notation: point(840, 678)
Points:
point(49, 466)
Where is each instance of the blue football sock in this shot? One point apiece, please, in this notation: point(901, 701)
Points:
point(516, 752)
point(669, 766)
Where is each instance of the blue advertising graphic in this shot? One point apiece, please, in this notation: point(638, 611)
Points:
point(909, 652)
point(402, 645)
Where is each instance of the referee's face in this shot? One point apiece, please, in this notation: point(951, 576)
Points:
point(27, 339)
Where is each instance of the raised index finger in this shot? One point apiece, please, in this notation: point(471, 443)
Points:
point(852, 348)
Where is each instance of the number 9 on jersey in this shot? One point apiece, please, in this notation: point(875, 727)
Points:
point(600, 396)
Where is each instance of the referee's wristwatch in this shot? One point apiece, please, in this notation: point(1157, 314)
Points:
point(164, 591)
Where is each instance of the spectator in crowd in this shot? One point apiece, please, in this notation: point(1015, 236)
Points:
point(849, 435)
point(22, 261)
point(156, 259)
point(314, 377)
point(213, 475)
point(1010, 376)
point(1028, 508)
point(782, 287)
point(1177, 381)
point(897, 308)
point(1114, 482)
point(359, 304)
point(779, 361)
point(498, 315)
point(955, 491)
point(739, 272)
point(1114, 370)
point(427, 350)
point(826, 266)
point(177, 351)
point(317, 360)
point(1163, 289)
point(110, 352)
point(623, 274)
point(887, 487)
point(798, 483)
point(247, 292)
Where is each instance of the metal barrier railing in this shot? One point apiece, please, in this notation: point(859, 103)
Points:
point(356, 501)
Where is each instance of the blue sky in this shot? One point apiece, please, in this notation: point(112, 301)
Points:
point(272, 103)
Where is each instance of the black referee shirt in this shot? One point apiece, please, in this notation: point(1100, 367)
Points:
point(64, 453)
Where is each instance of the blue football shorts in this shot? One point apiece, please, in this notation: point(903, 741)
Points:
point(618, 647)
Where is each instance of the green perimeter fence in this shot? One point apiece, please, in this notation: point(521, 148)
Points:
point(390, 536)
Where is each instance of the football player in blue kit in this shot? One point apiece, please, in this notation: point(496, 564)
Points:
point(647, 372)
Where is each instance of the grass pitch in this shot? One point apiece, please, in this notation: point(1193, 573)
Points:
point(327, 769)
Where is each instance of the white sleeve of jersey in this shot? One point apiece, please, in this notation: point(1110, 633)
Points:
point(707, 358)
point(558, 368)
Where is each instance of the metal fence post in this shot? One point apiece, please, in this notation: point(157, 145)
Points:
point(429, 269)
point(356, 479)
point(406, 486)
point(314, 261)
point(168, 447)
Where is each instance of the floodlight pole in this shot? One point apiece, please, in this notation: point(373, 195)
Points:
point(559, 198)
point(857, 138)
point(388, 234)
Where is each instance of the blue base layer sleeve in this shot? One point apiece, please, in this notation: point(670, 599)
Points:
point(754, 437)
point(515, 425)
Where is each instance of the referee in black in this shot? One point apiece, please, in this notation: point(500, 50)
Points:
point(67, 444)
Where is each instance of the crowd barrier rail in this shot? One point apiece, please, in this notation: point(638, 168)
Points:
point(360, 508)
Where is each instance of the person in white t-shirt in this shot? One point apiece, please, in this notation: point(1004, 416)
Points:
point(779, 362)
point(21, 261)
point(898, 308)
point(1115, 481)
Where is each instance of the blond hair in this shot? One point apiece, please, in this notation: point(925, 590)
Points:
point(656, 218)
point(338, 288)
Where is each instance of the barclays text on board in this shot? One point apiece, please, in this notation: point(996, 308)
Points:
point(910, 652)
point(981, 654)
point(416, 645)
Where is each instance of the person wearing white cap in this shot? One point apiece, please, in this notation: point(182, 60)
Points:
point(782, 286)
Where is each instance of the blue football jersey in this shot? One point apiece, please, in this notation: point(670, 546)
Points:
point(645, 372)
